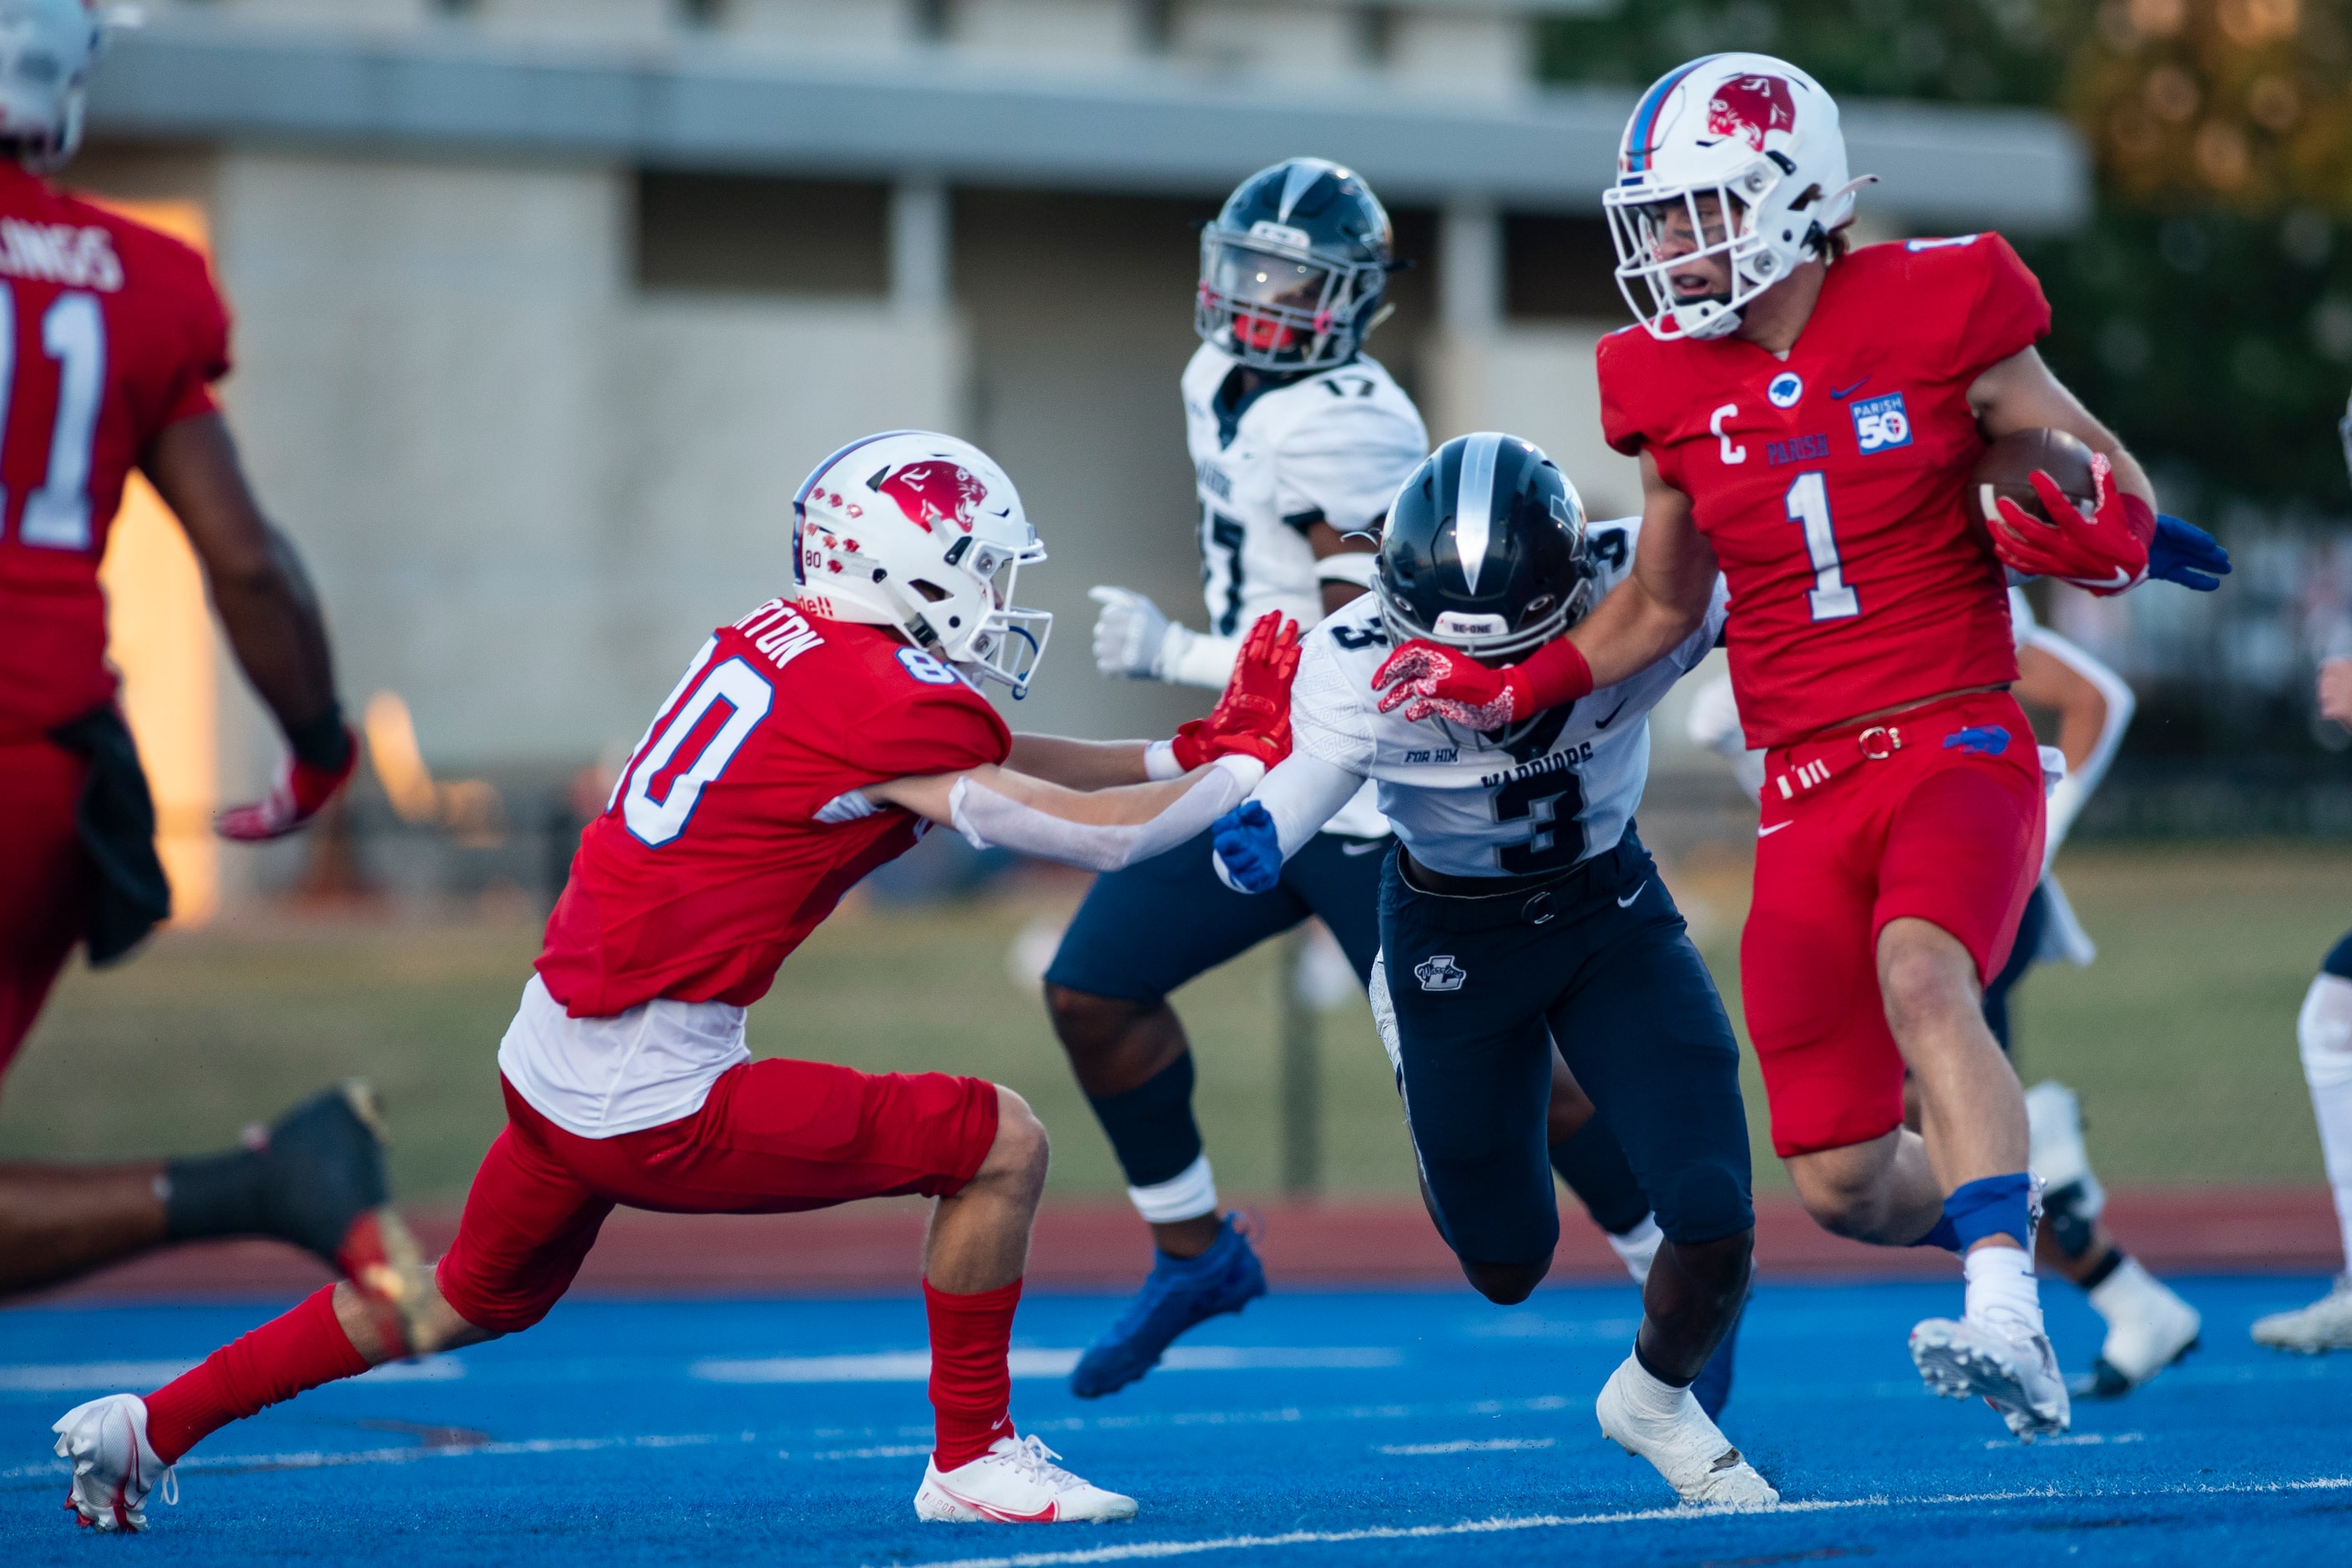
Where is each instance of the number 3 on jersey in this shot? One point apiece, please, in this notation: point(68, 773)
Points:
point(748, 696)
point(1808, 505)
point(73, 333)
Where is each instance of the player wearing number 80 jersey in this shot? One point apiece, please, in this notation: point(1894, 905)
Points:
point(807, 743)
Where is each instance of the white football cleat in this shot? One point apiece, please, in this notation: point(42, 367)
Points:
point(2016, 1374)
point(114, 1467)
point(2325, 1325)
point(1689, 1450)
point(2150, 1326)
point(1015, 1482)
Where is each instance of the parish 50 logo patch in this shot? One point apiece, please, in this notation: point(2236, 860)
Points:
point(1880, 424)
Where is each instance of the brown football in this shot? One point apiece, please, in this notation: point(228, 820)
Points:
point(2002, 471)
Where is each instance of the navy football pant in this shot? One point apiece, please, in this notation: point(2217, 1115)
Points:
point(1144, 932)
point(1477, 990)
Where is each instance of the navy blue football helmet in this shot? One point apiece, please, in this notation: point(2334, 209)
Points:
point(1484, 550)
point(1293, 269)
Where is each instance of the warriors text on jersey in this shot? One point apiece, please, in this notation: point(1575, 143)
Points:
point(1328, 447)
point(1537, 797)
point(109, 332)
point(1830, 482)
point(718, 854)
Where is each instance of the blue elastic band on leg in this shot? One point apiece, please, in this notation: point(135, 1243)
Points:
point(1943, 1236)
point(1996, 1206)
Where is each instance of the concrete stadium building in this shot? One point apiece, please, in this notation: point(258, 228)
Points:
point(545, 306)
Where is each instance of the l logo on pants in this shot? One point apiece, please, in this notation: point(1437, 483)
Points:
point(1440, 974)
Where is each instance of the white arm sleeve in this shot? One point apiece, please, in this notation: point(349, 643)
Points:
point(2066, 801)
point(1301, 795)
point(1304, 793)
point(989, 820)
point(1197, 658)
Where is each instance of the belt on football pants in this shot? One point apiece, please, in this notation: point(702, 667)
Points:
point(1806, 765)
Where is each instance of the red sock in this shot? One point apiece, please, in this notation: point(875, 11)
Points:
point(971, 1388)
point(303, 1349)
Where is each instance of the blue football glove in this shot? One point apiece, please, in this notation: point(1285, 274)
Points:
point(2185, 553)
point(1248, 850)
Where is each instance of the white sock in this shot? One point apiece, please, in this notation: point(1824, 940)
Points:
point(2325, 1031)
point(1188, 1195)
point(2001, 1289)
point(1638, 1248)
point(1651, 1397)
point(2131, 1290)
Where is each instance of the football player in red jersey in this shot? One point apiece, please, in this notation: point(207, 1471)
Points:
point(111, 335)
point(1807, 417)
point(806, 744)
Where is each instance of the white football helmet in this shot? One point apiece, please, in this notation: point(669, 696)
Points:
point(47, 48)
point(925, 533)
point(1758, 136)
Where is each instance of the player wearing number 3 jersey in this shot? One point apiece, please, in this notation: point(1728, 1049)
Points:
point(1806, 420)
point(808, 742)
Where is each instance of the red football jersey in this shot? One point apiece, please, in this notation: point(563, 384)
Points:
point(1830, 482)
point(109, 332)
point(710, 864)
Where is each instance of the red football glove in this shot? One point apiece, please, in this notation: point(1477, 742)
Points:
point(1430, 680)
point(2105, 554)
point(302, 793)
point(1253, 717)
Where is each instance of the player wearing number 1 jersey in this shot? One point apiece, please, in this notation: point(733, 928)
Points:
point(807, 742)
point(1807, 419)
point(110, 336)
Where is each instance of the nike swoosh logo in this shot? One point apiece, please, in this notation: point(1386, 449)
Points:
point(2122, 579)
point(1364, 848)
point(1850, 391)
point(1604, 725)
point(1001, 1515)
point(1627, 902)
point(1767, 832)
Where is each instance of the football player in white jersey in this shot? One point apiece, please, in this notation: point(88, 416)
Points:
point(2323, 1031)
point(1521, 920)
point(1298, 439)
point(2150, 1326)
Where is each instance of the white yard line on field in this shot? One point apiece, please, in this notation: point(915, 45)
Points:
point(1141, 1550)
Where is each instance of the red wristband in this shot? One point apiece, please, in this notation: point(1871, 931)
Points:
point(1553, 673)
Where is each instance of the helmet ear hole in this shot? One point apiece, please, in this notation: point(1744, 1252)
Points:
point(930, 591)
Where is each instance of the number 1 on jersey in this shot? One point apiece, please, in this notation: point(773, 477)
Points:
point(1809, 504)
point(73, 333)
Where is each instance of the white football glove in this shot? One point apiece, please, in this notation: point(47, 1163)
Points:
point(1129, 634)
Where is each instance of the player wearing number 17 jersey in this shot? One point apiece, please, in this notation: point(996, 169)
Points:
point(1807, 417)
point(807, 742)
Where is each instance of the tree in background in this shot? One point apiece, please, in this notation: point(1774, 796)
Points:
point(2205, 308)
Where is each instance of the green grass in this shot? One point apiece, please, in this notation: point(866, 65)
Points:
point(2181, 1037)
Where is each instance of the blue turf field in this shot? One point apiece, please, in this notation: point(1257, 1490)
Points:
point(1318, 1429)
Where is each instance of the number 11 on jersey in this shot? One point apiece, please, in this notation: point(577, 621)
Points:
point(1809, 504)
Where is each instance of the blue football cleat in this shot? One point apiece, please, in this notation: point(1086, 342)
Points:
point(1179, 1293)
point(1712, 1386)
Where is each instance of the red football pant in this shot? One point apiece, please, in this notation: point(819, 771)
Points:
point(773, 1137)
point(1944, 829)
point(45, 880)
